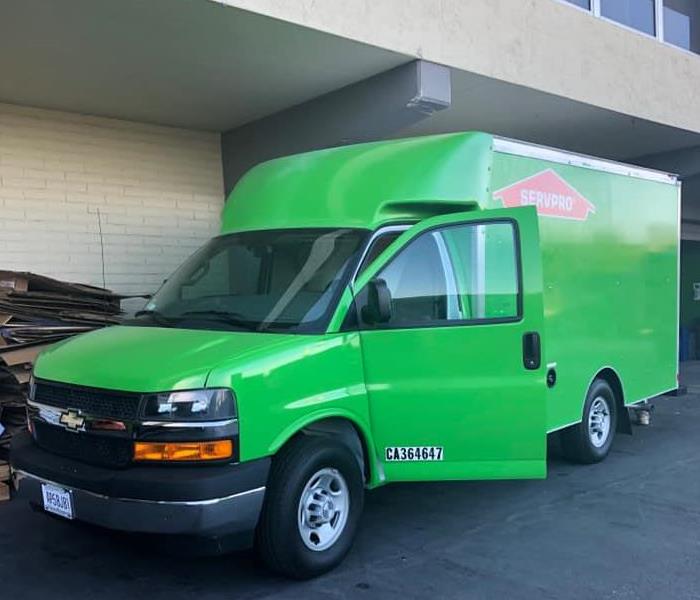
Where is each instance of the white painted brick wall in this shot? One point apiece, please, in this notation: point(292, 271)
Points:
point(158, 190)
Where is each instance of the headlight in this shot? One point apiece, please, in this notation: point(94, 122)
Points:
point(190, 405)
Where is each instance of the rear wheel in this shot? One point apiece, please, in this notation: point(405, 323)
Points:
point(312, 507)
point(590, 440)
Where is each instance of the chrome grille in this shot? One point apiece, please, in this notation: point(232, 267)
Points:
point(107, 404)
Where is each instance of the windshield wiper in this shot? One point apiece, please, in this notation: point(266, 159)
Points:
point(234, 319)
point(158, 317)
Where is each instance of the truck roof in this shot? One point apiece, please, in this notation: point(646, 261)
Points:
point(367, 185)
point(576, 159)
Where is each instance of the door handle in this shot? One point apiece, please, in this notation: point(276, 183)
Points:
point(532, 350)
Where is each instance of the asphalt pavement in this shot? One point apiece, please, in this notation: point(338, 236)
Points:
point(626, 528)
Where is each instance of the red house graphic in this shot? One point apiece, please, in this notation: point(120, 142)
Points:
point(550, 193)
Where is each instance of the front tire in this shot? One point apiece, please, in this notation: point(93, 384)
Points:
point(590, 440)
point(312, 507)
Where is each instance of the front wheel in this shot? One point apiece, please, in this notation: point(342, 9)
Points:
point(590, 440)
point(312, 507)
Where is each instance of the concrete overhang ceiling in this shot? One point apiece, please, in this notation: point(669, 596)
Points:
point(536, 116)
point(204, 65)
point(186, 63)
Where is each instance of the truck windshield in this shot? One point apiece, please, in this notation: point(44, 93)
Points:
point(277, 280)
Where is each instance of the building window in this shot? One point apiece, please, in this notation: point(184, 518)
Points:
point(586, 4)
point(682, 24)
point(637, 14)
point(676, 22)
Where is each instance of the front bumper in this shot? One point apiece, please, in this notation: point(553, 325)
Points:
point(207, 500)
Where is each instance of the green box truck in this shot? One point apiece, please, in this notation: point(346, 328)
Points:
point(410, 310)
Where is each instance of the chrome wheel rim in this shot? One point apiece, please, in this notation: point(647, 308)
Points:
point(323, 509)
point(599, 421)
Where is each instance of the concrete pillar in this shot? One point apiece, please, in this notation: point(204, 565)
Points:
point(371, 109)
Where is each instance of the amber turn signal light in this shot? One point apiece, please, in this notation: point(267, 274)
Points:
point(181, 451)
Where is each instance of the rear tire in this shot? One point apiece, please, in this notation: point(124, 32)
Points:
point(312, 507)
point(590, 440)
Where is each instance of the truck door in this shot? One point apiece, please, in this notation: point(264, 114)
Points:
point(452, 363)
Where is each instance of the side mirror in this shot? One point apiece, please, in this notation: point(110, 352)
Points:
point(378, 306)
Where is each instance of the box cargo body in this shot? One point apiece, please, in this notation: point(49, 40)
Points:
point(609, 238)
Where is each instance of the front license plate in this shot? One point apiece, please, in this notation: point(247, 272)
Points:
point(57, 500)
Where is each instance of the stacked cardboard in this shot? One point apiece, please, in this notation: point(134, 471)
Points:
point(4, 481)
point(35, 312)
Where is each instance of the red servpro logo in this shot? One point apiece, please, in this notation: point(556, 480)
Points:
point(552, 196)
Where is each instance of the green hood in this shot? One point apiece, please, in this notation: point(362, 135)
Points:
point(150, 359)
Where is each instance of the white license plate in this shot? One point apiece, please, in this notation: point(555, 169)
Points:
point(57, 500)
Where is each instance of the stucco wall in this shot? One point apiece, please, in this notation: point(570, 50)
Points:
point(542, 44)
point(158, 190)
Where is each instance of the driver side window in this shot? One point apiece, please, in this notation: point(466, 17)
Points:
point(458, 273)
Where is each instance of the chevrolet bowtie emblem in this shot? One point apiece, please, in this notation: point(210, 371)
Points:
point(72, 420)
